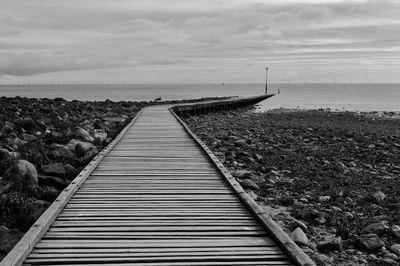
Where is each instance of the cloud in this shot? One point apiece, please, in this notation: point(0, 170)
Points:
point(69, 37)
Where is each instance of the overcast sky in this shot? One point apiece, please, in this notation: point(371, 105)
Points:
point(157, 41)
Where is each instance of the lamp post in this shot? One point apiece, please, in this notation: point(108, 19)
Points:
point(266, 80)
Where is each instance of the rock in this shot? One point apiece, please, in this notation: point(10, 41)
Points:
point(370, 242)
point(396, 231)
point(31, 212)
point(299, 237)
point(389, 261)
point(27, 123)
point(395, 249)
point(375, 228)
point(89, 156)
point(8, 238)
point(82, 134)
point(81, 147)
point(331, 244)
point(56, 169)
point(241, 174)
point(322, 259)
point(70, 171)
point(54, 181)
point(324, 198)
point(320, 220)
point(100, 135)
point(378, 197)
point(248, 183)
point(9, 129)
point(7, 158)
point(21, 172)
point(17, 143)
point(300, 224)
point(391, 256)
point(49, 193)
point(60, 151)
point(28, 137)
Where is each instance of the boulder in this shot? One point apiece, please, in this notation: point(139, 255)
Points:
point(70, 171)
point(331, 244)
point(100, 136)
point(80, 147)
point(299, 237)
point(21, 172)
point(49, 193)
point(375, 228)
point(82, 134)
point(60, 151)
point(395, 249)
point(241, 174)
point(31, 212)
point(370, 242)
point(89, 156)
point(54, 181)
point(9, 129)
point(248, 183)
point(8, 238)
point(396, 231)
point(7, 158)
point(56, 169)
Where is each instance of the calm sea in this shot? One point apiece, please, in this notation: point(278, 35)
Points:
point(361, 97)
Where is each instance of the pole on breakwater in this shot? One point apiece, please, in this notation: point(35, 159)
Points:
point(266, 80)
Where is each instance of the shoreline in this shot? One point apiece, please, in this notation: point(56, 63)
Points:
point(329, 179)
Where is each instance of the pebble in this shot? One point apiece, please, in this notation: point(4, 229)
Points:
point(299, 237)
point(370, 242)
point(375, 228)
point(395, 249)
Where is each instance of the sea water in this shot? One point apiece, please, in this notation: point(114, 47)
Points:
point(353, 97)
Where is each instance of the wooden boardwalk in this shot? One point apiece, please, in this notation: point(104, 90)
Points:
point(153, 198)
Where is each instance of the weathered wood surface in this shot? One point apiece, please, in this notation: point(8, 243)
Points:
point(154, 199)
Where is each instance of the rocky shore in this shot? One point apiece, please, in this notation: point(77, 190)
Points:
point(330, 180)
point(44, 144)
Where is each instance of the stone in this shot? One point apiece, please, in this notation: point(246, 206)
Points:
point(80, 147)
point(370, 242)
point(248, 183)
point(49, 193)
point(54, 181)
point(320, 220)
point(375, 228)
point(17, 143)
point(299, 237)
point(82, 134)
point(60, 151)
point(378, 197)
point(300, 224)
point(7, 158)
point(241, 174)
point(391, 256)
point(28, 137)
point(89, 156)
point(27, 123)
point(324, 198)
point(8, 129)
point(323, 259)
point(31, 212)
point(396, 231)
point(100, 135)
point(395, 249)
point(331, 244)
point(8, 238)
point(56, 169)
point(70, 171)
point(21, 172)
point(389, 261)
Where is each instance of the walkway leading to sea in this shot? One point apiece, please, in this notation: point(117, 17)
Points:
point(155, 196)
